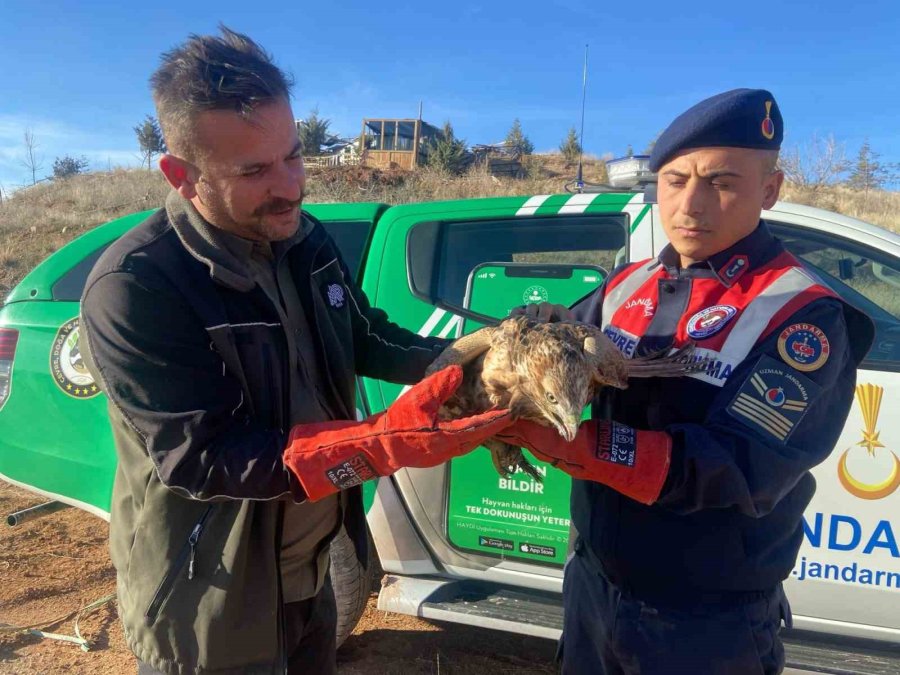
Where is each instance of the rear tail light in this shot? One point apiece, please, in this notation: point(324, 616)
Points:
point(8, 340)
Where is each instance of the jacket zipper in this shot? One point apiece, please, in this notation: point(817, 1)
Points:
point(282, 627)
point(187, 555)
point(338, 400)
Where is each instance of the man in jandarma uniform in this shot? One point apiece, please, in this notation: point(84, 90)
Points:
point(226, 332)
point(689, 492)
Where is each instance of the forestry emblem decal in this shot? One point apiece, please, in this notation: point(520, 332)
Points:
point(67, 364)
point(874, 476)
point(535, 294)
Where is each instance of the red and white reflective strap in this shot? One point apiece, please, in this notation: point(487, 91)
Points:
point(790, 287)
point(625, 285)
point(771, 307)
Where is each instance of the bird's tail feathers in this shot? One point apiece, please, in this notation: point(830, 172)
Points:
point(663, 364)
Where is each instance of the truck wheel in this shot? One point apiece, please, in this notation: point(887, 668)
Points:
point(352, 584)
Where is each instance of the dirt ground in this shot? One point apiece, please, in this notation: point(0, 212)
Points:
point(54, 566)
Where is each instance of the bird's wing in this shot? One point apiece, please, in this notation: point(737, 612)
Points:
point(676, 364)
point(463, 350)
point(604, 355)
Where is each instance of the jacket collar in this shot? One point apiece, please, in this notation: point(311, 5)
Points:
point(224, 253)
point(751, 252)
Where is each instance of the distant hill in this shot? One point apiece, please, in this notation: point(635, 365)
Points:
point(36, 221)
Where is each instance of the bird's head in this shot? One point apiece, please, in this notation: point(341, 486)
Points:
point(554, 385)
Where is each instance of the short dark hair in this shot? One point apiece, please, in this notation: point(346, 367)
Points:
point(207, 72)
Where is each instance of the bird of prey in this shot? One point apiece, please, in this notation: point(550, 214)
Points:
point(543, 372)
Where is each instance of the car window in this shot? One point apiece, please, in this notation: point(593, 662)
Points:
point(69, 287)
point(592, 240)
point(865, 277)
point(350, 238)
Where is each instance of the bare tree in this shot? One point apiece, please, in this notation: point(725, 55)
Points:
point(816, 165)
point(31, 161)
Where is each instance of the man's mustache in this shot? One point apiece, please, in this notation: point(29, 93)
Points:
point(277, 206)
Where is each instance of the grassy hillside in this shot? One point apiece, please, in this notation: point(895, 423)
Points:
point(36, 221)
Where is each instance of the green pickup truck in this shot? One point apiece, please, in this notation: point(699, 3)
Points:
point(457, 542)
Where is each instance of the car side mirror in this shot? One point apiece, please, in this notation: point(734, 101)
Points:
point(845, 269)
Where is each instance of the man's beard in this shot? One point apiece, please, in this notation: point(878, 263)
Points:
point(274, 206)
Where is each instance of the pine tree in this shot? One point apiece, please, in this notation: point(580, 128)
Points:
point(570, 147)
point(313, 133)
point(63, 167)
point(517, 141)
point(150, 139)
point(868, 173)
point(448, 153)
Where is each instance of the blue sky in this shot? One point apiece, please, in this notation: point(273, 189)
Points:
point(76, 73)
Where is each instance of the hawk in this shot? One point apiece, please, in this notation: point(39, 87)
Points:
point(543, 372)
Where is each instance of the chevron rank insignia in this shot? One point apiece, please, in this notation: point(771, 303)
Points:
point(773, 399)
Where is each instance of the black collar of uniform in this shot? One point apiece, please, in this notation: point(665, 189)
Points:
point(754, 250)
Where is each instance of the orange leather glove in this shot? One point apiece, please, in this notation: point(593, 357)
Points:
point(330, 456)
point(632, 462)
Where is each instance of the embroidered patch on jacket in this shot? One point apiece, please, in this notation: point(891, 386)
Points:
point(709, 321)
point(616, 443)
point(351, 473)
point(335, 293)
point(735, 268)
point(624, 341)
point(804, 346)
point(773, 399)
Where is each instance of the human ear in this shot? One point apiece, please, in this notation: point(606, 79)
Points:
point(772, 189)
point(180, 174)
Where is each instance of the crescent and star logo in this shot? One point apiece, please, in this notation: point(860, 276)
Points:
point(804, 347)
point(874, 476)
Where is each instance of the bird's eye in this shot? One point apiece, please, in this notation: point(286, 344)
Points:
point(551, 397)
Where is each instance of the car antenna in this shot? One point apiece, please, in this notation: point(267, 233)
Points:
point(579, 180)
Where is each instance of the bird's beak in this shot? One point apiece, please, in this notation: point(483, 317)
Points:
point(568, 428)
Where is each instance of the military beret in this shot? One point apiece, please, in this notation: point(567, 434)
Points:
point(740, 118)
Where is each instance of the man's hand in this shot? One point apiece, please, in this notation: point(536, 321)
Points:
point(544, 312)
point(330, 456)
point(632, 462)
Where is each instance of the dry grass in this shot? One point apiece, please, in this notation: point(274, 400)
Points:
point(36, 221)
point(877, 206)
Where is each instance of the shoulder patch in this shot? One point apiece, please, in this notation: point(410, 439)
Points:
point(773, 399)
point(710, 321)
point(804, 346)
point(624, 341)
